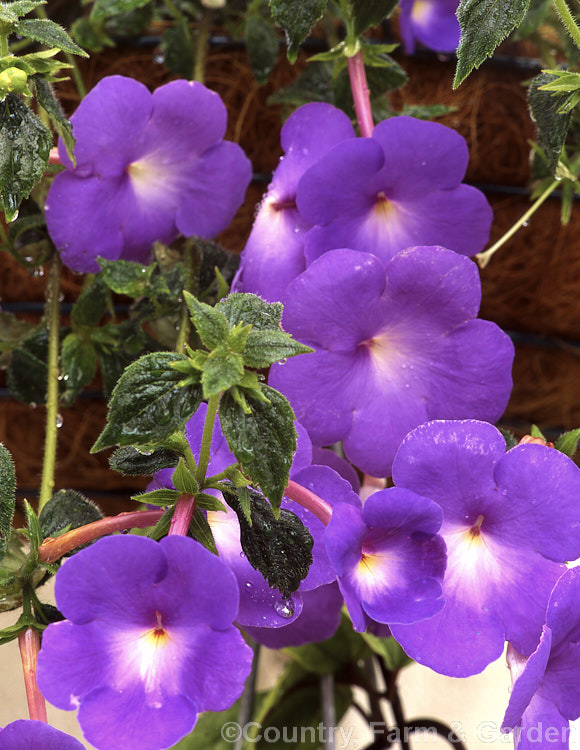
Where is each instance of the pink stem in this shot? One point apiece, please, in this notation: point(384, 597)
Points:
point(29, 642)
point(360, 94)
point(182, 515)
point(307, 499)
point(54, 548)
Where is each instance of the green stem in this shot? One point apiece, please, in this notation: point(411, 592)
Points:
point(568, 20)
point(174, 10)
point(201, 47)
point(50, 440)
point(484, 258)
point(3, 45)
point(76, 75)
point(204, 452)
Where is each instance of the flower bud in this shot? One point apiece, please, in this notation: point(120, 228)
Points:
point(12, 79)
point(535, 440)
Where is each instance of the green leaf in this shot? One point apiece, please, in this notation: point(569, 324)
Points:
point(7, 497)
point(22, 7)
point(33, 525)
point(51, 105)
point(24, 148)
point(28, 371)
point(552, 126)
point(177, 48)
point(91, 305)
point(535, 15)
point(263, 440)
point(160, 497)
point(369, 13)
point(78, 360)
point(13, 331)
point(221, 370)
point(262, 47)
point(200, 529)
point(568, 442)
point(210, 323)
point(126, 277)
point(132, 462)
point(209, 502)
point(484, 25)
point(90, 36)
point(280, 548)
point(251, 310)
point(394, 656)
point(148, 403)
point(67, 509)
point(510, 439)
point(263, 348)
point(296, 18)
point(103, 9)
point(312, 85)
point(49, 33)
point(345, 647)
point(183, 480)
point(536, 432)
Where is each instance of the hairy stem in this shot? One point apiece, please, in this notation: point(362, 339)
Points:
point(182, 515)
point(50, 439)
point(190, 259)
point(307, 499)
point(54, 548)
point(484, 258)
point(568, 20)
point(29, 643)
point(360, 94)
point(208, 426)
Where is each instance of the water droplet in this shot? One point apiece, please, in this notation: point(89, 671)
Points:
point(59, 421)
point(285, 607)
point(32, 405)
point(159, 59)
point(534, 501)
point(282, 361)
point(249, 586)
point(242, 554)
point(525, 224)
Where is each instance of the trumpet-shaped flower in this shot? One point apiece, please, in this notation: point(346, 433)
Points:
point(388, 558)
point(509, 521)
point(35, 735)
point(432, 22)
point(398, 189)
point(148, 642)
point(395, 345)
point(546, 690)
point(148, 167)
point(274, 253)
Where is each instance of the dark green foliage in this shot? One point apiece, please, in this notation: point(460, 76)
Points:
point(91, 305)
point(263, 439)
point(297, 17)
point(262, 47)
point(148, 403)
point(177, 48)
point(67, 509)
point(78, 361)
point(131, 462)
point(484, 25)
point(7, 497)
point(27, 372)
point(24, 147)
point(280, 548)
point(552, 125)
point(368, 13)
point(48, 101)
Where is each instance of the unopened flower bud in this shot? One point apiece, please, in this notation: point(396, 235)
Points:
point(12, 79)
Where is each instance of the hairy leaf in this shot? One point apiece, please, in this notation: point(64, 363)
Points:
point(210, 322)
point(51, 105)
point(263, 440)
point(552, 126)
point(49, 33)
point(148, 403)
point(369, 13)
point(7, 497)
point(132, 462)
point(262, 46)
point(78, 363)
point(263, 348)
point(568, 442)
point(251, 310)
point(67, 509)
point(484, 24)
point(296, 18)
point(280, 548)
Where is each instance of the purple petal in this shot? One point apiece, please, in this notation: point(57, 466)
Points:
point(107, 126)
point(543, 486)
point(433, 22)
point(527, 676)
point(133, 723)
point(319, 620)
point(35, 735)
point(542, 727)
point(327, 457)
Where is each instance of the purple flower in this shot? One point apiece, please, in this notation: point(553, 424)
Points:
point(398, 189)
point(388, 558)
point(274, 253)
point(508, 520)
point(396, 345)
point(148, 167)
point(432, 22)
point(546, 688)
point(35, 735)
point(148, 643)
